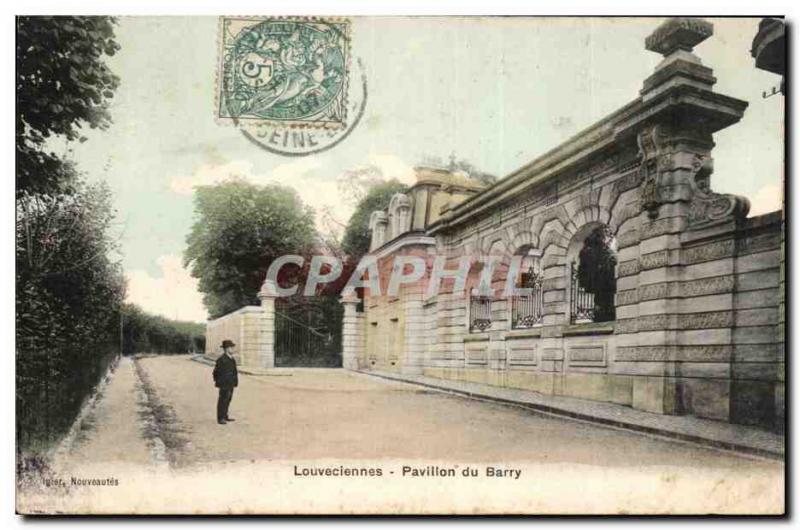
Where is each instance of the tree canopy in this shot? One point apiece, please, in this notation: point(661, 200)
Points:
point(367, 188)
point(596, 272)
point(68, 296)
point(355, 242)
point(487, 179)
point(460, 165)
point(62, 84)
point(239, 229)
point(69, 285)
point(146, 333)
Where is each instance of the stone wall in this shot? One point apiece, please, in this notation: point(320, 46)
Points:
point(556, 357)
point(251, 328)
point(757, 366)
point(352, 334)
point(697, 329)
point(394, 337)
point(385, 338)
point(241, 327)
point(698, 326)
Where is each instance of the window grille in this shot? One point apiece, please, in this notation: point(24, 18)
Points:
point(581, 301)
point(528, 310)
point(480, 313)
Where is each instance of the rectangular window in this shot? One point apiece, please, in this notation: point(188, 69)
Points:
point(528, 310)
point(480, 313)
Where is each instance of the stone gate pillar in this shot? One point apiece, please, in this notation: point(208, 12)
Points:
point(266, 329)
point(414, 335)
point(352, 335)
point(681, 262)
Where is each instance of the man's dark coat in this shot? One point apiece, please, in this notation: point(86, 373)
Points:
point(225, 373)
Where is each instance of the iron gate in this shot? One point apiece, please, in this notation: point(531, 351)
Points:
point(308, 332)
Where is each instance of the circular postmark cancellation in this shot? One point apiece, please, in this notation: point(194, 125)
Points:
point(288, 83)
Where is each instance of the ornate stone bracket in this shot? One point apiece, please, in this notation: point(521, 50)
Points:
point(672, 171)
point(707, 206)
point(674, 148)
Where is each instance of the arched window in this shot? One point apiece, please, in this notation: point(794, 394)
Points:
point(593, 281)
point(527, 310)
point(480, 292)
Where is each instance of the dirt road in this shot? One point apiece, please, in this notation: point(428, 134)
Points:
point(154, 432)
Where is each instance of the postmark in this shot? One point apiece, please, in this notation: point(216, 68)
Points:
point(285, 82)
point(284, 71)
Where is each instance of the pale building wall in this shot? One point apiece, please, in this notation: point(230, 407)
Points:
point(419, 219)
point(353, 335)
point(384, 321)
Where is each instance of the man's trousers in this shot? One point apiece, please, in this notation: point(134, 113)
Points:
point(223, 402)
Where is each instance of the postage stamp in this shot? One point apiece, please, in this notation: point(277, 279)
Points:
point(284, 71)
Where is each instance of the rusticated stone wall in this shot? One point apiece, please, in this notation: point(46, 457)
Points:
point(698, 325)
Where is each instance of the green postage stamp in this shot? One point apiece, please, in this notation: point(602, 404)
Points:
point(284, 71)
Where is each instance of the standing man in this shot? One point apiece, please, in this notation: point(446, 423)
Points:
point(226, 378)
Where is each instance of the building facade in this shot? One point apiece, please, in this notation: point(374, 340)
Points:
point(643, 286)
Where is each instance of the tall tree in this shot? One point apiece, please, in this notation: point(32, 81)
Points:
point(354, 184)
point(69, 289)
point(462, 165)
point(366, 187)
point(355, 242)
point(67, 305)
point(239, 229)
point(62, 84)
point(472, 172)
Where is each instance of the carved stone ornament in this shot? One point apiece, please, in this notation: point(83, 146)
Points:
point(377, 218)
point(708, 206)
point(377, 225)
point(653, 161)
point(400, 214)
point(682, 33)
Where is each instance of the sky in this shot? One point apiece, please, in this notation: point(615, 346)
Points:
point(495, 91)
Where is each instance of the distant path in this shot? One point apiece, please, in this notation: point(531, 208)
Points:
point(112, 430)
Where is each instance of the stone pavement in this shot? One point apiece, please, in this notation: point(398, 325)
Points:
point(720, 435)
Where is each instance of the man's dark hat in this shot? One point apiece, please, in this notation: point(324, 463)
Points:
point(228, 343)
